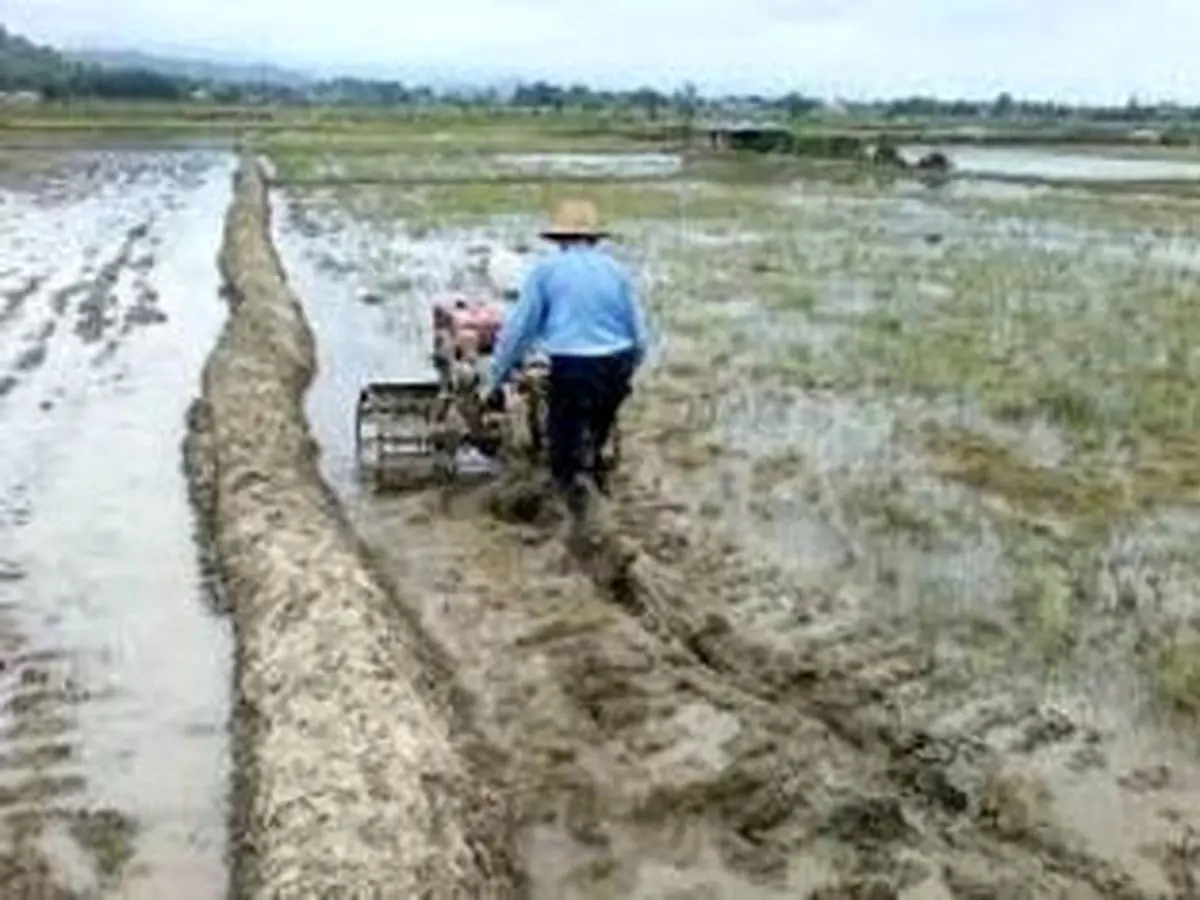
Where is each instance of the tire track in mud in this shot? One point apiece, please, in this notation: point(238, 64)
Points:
point(357, 769)
point(648, 735)
point(875, 691)
point(637, 771)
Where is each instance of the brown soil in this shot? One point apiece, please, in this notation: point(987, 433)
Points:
point(356, 771)
point(659, 750)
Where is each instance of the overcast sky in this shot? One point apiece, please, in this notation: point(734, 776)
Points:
point(1070, 49)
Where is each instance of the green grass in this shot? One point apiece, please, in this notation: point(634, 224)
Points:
point(1096, 347)
point(1175, 667)
point(1093, 372)
point(298, 132)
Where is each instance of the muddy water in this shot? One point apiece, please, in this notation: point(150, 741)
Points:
point(111, 308)
point(1052, 165)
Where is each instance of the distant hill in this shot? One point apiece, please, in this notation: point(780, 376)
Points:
point(192, 68)
point(26, 65)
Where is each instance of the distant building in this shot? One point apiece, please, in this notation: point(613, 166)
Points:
point(762, 137)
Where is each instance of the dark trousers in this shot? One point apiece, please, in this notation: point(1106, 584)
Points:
point(585, 394)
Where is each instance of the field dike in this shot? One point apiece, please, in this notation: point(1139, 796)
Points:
point(357, 771)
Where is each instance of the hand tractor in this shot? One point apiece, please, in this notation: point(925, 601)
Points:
point(424, 431)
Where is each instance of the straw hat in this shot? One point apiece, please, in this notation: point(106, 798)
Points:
point(575, 218)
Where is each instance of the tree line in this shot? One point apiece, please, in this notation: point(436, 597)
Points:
point(687, 102)
point(26, 66)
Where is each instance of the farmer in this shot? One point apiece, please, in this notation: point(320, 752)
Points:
point(580, 307)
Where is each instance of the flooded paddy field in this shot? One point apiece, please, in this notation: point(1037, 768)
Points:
point(910, 492)
point(113, 669)
point(894, 597)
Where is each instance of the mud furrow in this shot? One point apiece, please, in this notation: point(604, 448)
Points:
point(614, 737)
point(952, 781)
point(641, 726)
point(356, 770)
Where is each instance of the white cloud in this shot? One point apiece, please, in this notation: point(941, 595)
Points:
point(1105, 49)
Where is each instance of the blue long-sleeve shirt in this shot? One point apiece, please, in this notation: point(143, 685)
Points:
point(578, 302)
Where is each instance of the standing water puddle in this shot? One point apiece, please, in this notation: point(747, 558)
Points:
point(1016, 162)
point(121, 659)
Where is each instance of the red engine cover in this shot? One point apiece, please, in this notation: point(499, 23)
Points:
point(462, 316)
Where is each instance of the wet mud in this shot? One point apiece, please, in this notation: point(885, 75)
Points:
point(357, 768)
point(683, 716)
point(113, 672)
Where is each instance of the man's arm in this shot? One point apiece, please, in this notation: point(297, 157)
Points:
point(519, 329)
